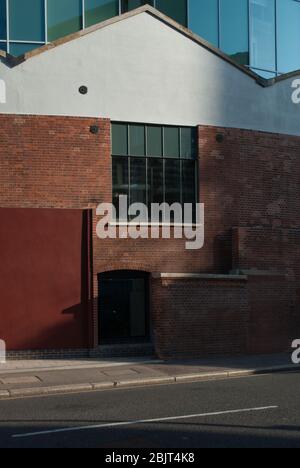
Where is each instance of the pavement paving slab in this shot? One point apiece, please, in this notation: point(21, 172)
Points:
point(30, 378)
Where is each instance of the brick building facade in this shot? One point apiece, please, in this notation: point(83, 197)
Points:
point(239, 294)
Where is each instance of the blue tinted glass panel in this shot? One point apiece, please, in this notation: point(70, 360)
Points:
point(234, 30)
point(264, 74)
point(26, 20)
point(203, 19)
point(17, 49)
point(288, 35)
point(175, 9)
point(3, 46)
point(262, 33)
point(128, 5)
point(2, 19)
point(64, 17)
point(100, 10)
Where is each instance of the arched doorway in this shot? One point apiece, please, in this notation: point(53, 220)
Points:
point(123, 307)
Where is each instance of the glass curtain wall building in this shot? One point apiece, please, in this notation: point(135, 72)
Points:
point(261, 34)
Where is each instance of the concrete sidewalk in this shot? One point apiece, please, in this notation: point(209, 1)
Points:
point(35, 378)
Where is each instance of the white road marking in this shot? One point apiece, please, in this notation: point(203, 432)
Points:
point(141, 421)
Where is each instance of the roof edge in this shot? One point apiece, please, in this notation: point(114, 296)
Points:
point(13, 61)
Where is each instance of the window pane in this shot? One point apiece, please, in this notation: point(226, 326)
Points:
point(120, 180)
point(3, 46)
point(119, 139)
point(27, 20)
point(18, 49)
point(203, 19)
point(234, 29)
point(267, 75)
point(2, 19)
point(288, 33)
point(64, 17)
point(188, 143)
point(137, 140)
point(128, 5)
point(188, 182)
point(175, 9)
point(155, 181)
point(100, 10)
point(172, 181)
point(154, 141)
point(262, 21)
point(171, 142)
point(138, 181)
point(189, 185)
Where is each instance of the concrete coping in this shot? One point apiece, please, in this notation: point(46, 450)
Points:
point(203, 276)
point(255, 272)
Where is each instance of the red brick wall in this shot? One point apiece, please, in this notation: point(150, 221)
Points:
point(272, 323)
point(53, 162)
point(199, 317)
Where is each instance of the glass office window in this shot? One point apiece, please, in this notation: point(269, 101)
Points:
point(155, 181)
point(128, 5)
point(154, 141)
point(64, 17)
point(175, 9)
point(262, 32)
point(234, 29)
point(203, 19)
point(138, 180)
point(171, 142)
point(137, 140)
point(120, 179)
point(119, 139)
point(188, 182)
point(172, 182)
point(26, 20)
point(188, 142)
point(147, 175)
point(2, 19)
point(100, 10)
point(288, 35)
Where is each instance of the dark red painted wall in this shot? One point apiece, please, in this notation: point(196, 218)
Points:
point(42, 258)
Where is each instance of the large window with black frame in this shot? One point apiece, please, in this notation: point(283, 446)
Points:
point(154, 164)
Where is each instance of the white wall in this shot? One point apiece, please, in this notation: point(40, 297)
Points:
point(142, 70)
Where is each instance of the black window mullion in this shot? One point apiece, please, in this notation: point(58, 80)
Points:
point(129, 182)
point(164, 168)
point(181, 183)
point(181, 163)
point(164, 185)
point(129, 170)
point(147, 186)
point(147, 177)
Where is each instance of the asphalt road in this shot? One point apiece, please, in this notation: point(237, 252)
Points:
point(261, 411)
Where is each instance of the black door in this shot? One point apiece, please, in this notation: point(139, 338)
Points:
point(123, 308)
